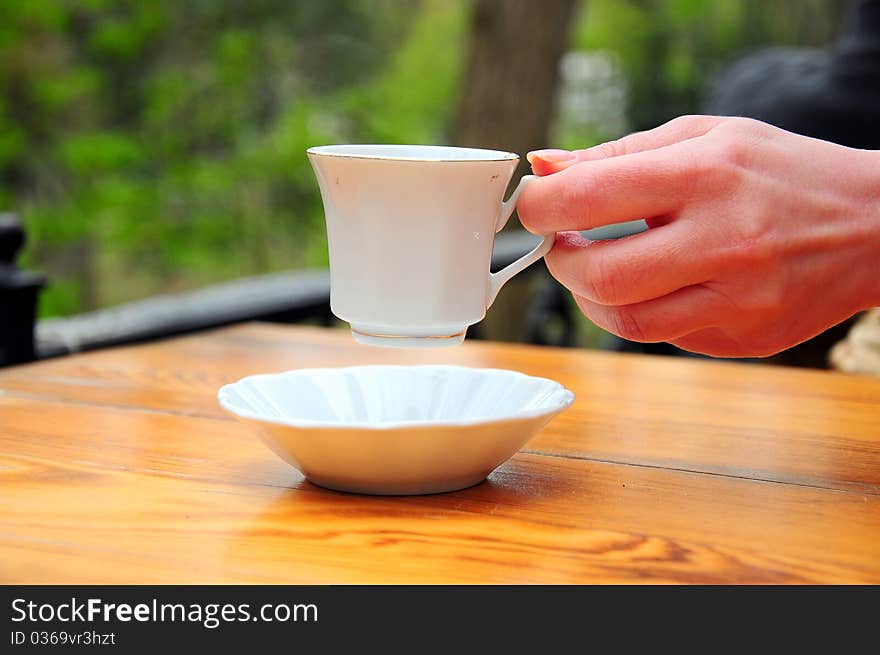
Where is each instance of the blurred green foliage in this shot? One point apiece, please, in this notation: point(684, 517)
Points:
point(153, 145)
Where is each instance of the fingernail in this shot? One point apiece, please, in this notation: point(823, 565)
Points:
point(551, 155)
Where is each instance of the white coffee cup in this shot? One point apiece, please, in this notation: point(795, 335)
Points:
point(410, 232)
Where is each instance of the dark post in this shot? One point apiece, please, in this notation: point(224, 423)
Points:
point(18, 296)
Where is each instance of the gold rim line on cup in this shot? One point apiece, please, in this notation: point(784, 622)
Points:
point(312, 151)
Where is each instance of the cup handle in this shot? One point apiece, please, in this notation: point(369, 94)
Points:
point(499, 279)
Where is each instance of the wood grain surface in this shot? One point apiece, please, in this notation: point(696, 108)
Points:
point(118, 466)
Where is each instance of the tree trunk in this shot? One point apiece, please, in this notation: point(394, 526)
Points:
point(507, 101)
point(509, 88)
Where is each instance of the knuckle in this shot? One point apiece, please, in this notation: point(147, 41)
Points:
point(719, 169)
point(741, 126)
point(767, 297)
point(686, 122)
point(732, 152)
point(609, 149)
point(693, 175)
point(573, 198)
point(755, 231)
point(753, 126)
point(603, 281)
point(754, 243)
point(626, 324)
point(737, 141)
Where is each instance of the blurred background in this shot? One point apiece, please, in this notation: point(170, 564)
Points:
point(152, 147)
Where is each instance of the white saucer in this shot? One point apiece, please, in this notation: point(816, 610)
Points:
point(395, 429)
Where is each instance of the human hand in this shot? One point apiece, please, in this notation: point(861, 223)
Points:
point(759, 238)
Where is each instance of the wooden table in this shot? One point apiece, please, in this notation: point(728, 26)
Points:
point(118, 466)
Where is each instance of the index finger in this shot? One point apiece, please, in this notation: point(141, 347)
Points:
point(682, 128)
point(614, 190)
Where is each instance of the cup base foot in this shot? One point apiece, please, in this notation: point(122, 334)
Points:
point(402, 341)
point(398, 488)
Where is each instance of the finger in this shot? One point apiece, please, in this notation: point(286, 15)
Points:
point(669, 318)
point(629, 270)
point(602, 192)
point(546, 162)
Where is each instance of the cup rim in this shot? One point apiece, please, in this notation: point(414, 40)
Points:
point(362, 151)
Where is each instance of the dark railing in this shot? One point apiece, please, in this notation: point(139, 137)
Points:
point(287, 297)
point(18, 296)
